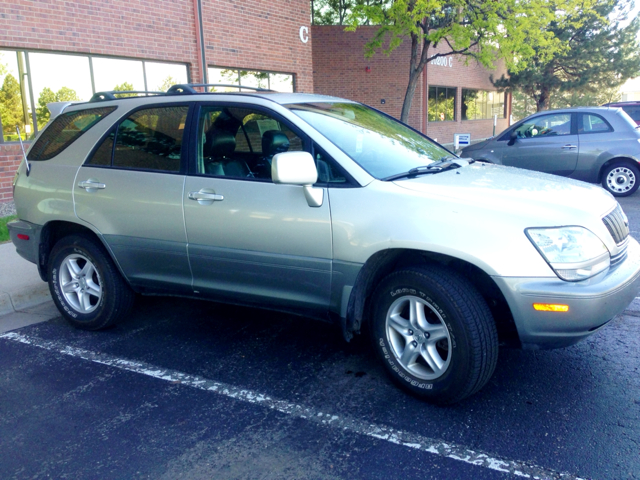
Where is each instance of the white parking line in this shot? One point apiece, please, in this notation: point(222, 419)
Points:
point(388, 434)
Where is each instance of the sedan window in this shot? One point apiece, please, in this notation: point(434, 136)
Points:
point(545, 126)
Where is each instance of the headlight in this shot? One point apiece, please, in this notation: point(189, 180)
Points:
point(574, 253)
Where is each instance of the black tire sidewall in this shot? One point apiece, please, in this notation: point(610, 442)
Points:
point(630, 166)
point(414, 284)
point(79, 245)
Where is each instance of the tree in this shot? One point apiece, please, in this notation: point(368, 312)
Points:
point(168, 82)
point(598, 56)
point(11, 110)
point(337, 12)
point(65, 94)
point(124, 87)
point(484, 30)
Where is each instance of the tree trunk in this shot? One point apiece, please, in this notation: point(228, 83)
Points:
point(414, 76)
point(542, 101)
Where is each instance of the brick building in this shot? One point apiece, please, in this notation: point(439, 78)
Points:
point(451, 97)
point(70, 50)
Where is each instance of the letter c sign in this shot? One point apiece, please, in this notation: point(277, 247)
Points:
point(304, 34)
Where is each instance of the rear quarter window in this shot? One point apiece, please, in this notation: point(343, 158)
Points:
point(65, 130)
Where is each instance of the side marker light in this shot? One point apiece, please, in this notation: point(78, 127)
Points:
point(22, 236)
point(550, 307)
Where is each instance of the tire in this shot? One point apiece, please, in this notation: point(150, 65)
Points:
point(446, 354)
point(621, 179)
point(85, 284)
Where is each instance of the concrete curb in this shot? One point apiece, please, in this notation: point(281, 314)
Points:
point(20, 285)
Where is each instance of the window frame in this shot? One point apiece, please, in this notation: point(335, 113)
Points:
point(504, 104)
point(455, 102)
point(580, 122)
point(184, 149)
point(307, 143)
point(74, 140)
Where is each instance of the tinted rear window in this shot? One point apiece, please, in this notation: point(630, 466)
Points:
point(65, 130)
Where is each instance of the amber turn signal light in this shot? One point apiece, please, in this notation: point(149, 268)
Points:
point(550, 307)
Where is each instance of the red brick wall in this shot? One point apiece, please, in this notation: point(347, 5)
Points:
point(259, 34)
point(146, 29)
point(474, 76)
point(339, 69)
point(10, 158)
point(252, 34)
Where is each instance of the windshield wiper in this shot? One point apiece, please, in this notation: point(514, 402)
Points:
point(445, 163)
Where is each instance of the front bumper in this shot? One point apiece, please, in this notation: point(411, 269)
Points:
point(592, 303)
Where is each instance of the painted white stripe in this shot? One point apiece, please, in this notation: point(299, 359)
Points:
point(388, 434)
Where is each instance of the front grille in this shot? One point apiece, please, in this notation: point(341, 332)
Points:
point(622, 254)
point(617, 224)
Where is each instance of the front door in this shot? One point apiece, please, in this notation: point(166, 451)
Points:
point(548, 143)
point(250, 239)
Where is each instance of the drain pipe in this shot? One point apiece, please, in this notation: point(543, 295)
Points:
point(197, 10)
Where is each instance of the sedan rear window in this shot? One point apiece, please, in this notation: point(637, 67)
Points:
point(65, 130)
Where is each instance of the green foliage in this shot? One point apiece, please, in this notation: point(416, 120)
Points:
point(166, 84)
point(337, 12)
point(11, 111)
point(124, 87)
point(65, 94)
point(484, 30)
point(4, 231)
point(596, 57)
point(3, 66)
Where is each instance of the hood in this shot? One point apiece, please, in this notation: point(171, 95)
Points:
point(476, 146)
point(537, 198)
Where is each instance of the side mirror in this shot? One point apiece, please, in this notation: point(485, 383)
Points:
point(298, 168)
point(513, 136)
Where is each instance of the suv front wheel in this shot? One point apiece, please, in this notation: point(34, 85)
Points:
point(85, 284)
point(434, 333)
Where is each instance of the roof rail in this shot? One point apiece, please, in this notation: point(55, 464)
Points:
point(111, 95)
point(188, 88)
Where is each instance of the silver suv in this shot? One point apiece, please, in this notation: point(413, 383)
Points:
point(326, 208)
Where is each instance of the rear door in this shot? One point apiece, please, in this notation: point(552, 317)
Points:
point(130, 188)
point(546, 143)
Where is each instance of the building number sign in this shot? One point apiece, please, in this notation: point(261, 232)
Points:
point(304, 34)
point(442, 61)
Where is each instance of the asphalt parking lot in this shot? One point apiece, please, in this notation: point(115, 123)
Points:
point(189, 389)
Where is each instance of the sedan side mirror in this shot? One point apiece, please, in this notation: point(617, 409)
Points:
point(513, 136)
point(298, 168)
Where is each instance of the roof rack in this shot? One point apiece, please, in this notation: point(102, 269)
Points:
point(188, 88)
point(179, 89)
point(111, 95)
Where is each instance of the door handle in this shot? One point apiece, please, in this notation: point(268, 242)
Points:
point(204, 197)
point(92, 185)
point(569, 146)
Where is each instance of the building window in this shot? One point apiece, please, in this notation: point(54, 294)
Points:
point(442, 104)
point(31, 80)
point(481, 104)
point(280, 82)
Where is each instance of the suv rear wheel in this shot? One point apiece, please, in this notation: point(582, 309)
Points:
point(85, 284)
point(434, 333)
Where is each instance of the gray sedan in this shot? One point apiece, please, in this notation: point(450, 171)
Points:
point(595, 144)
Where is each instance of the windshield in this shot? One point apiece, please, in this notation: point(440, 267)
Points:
point(379, 144)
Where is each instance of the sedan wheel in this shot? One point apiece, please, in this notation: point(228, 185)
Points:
point(621, 179)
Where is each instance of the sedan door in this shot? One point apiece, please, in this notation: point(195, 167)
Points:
point(251, 240)
point(545, 143)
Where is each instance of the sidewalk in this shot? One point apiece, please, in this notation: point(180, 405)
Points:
point(24, 297)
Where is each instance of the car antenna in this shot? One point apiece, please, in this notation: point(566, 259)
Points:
point(23, 152)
